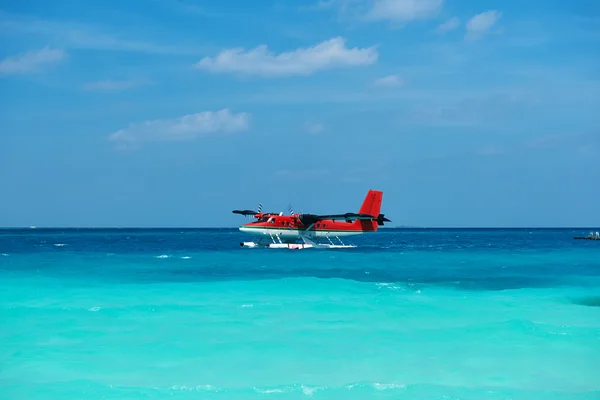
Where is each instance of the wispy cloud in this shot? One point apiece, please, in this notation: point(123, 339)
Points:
point(450, 25)
point(260, 61)
point(377, 10)
point(580, 143)
point(319, 5)
point(482, 23)
point(314, 128)
point(389, 81)
point(191, 8)
point(31, 61)
point(109, 85)
point(488, 109)
point(343, 6)
point(80, 36)
point(403, 10)
point(187, 127)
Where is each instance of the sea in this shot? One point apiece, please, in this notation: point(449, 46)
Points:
point(408, 314)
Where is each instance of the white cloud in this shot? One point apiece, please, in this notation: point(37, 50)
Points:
point(389, 81)
point(314, 128)
point(110, 85)
point(481, 23)
point(188, 127)
point(31, 61)
point(260, 61)
point(403, 10)
point(450, 25)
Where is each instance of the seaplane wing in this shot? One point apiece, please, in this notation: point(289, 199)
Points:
point(348, 217)
point(245, 212)
point(254, 213)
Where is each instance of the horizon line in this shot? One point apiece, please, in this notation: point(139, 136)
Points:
point(34, 227)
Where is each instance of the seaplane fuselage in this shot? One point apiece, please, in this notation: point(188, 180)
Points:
point(288, 227)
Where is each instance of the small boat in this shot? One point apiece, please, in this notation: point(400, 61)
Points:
point(591, 236)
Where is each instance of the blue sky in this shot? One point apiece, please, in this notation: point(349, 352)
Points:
point(175, 112)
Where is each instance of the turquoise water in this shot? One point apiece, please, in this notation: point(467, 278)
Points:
point(409, 314)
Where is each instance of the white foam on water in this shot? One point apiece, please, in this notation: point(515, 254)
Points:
point(309, 391)
point(163, 256)
point(386, 386)
point(268, 391)
point(197, 388)
point(390, 286)
point(59, 244)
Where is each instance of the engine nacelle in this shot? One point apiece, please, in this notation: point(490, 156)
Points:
point(308, 219)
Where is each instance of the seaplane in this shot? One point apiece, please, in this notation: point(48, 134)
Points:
point(304, 231)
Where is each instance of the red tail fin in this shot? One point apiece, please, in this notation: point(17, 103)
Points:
point(372, 203)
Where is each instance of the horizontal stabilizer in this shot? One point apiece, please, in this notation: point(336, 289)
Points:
point(381, 219)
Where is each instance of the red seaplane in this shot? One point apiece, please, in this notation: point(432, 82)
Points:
point(300, 231)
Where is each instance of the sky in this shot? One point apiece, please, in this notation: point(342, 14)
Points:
point(172, 113)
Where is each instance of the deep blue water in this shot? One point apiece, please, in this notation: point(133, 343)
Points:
point(408, 314)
